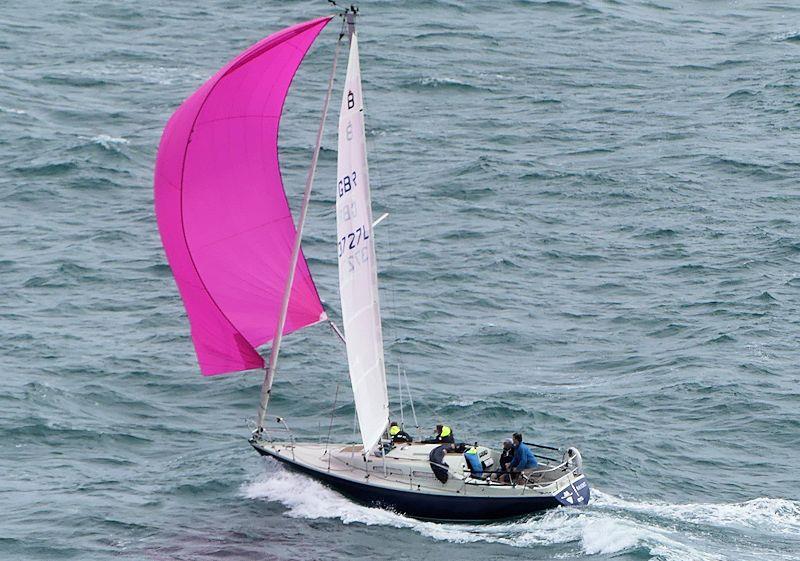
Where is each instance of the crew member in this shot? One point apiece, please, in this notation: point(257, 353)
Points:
point(523, 457)
point(439, 467)
point(443, 434)
point(397, 434)
point(505, 460)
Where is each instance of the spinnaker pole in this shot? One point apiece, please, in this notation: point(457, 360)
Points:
point(269, 372)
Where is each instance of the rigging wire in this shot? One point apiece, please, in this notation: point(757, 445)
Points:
point(330, 425)
point(400, 393)
point(411, 401)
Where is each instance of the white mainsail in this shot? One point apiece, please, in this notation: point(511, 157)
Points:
point(358, 270)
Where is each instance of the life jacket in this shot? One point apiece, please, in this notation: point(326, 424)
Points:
point(393, 430)
point(446, 431)
point(473, 461)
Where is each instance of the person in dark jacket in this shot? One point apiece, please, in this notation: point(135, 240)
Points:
point(444, 434)
point(438, 465)
point(523, 458)
point(397, 434)
point(506, 456)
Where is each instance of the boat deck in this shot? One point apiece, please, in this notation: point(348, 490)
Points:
point(406, 467)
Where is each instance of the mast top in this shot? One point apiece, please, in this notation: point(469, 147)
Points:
point(350, 19)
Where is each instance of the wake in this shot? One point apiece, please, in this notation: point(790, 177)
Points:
point(609, 525)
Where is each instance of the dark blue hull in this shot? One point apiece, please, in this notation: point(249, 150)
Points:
point(426, 505)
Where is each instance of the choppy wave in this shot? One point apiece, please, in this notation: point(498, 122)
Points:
point(605, 527)
point(110, 142)
point(13, 111)
point(441, 83)
point(771, 515)
point(791, 37)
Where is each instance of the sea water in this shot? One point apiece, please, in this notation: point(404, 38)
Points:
point(593, 238)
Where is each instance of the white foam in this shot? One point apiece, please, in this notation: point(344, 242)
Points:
point(12, 110)
point(306, 498)
point(605, 530)
point(609, 536)
point(786, 35)
point(781, 516)
point(109, 142)
point(604, 534)
point(462, 402)
point(441, 81)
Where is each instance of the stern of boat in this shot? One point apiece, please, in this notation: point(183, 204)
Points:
point(576, 493)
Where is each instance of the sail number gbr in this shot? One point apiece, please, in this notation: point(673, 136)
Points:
point(346, 184)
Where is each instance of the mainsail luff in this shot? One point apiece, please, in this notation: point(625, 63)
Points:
point(221, 209)
point(358, 280)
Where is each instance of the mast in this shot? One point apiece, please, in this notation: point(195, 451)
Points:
point(269, 371)
point(350, 19)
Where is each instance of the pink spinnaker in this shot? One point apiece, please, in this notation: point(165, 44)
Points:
point(222, 212)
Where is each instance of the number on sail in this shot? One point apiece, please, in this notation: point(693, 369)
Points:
point(352, 240)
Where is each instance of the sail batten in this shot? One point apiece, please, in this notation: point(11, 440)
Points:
point(222, 211)
point(358, 273)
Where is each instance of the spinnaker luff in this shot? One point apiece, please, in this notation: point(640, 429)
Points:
point(222, 211)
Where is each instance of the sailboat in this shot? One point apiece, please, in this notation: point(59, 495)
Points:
point(237, 259)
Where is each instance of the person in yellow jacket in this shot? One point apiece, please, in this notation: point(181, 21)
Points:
point(443, 435)
point(397, 434)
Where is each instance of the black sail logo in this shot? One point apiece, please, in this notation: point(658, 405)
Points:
point(351, 100)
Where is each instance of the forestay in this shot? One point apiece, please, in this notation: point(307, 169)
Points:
point(358, 274)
